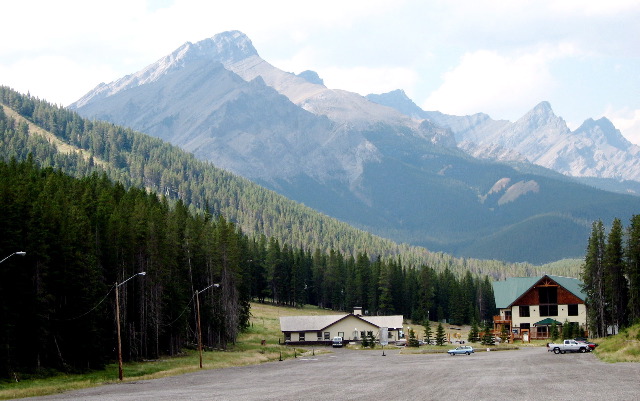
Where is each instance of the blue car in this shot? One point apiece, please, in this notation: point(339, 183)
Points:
point(463, 349)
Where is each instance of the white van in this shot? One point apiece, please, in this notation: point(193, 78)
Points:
point(337, 342)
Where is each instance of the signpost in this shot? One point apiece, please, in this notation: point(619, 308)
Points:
point(384, 338)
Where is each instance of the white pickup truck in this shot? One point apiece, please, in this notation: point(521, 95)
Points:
point(568, 346)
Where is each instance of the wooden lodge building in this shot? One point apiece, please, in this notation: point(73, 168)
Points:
point(530, 305)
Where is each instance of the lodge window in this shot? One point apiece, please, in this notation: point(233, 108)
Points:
point(524, 311)
point(572, 310)
point(341, 334)
point(327, 335)
point(287, 336)
point(526, 326)
point(543, 331)
point(548, 295)
point(301, 337)
point(319, 335)
point(370, 333)
point(548, 310)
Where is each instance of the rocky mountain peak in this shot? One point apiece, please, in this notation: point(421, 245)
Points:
point(542, 114)
point(230, 46)
point(603, 131)
point(399, 100)
point(311, 77)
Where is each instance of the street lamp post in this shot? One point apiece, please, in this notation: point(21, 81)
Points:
point(120, 375)
point(21, 253)
point(198, 320)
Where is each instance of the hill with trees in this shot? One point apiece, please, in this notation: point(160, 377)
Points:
point(85, 237)
point(94, 205)
point(59, 138)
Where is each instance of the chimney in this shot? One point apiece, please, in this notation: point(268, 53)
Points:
point(357, 310)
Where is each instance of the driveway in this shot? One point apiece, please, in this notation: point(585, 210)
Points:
point(525, 374)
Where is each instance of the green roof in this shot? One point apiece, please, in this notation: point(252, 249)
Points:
point(508, 291)
point(547, 322)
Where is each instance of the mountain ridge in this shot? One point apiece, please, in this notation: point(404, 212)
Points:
point(364, 163)
point(596, 149)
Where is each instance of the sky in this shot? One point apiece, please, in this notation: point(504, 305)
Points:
point(458, 57)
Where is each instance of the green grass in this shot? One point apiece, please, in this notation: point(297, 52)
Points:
point(264, 325)
point(623, 347)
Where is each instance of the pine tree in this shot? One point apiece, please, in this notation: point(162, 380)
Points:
point(633, 269)
point(474, 333)
point(616, 287)
point(441, 337)
point(593, 280)
point(504, 334)
point(413, 341)
point(428, 332)
point(487, 336)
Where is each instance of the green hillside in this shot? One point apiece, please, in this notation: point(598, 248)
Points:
point(61, 139)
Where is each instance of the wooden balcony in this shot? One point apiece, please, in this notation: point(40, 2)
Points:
point(501, 320)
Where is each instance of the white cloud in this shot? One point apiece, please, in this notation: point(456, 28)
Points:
point(364, 80)
point(593, 8)
point(55, 79)
point(627, 121)
point(502, 86)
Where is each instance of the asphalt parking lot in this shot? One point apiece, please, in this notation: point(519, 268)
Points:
point(343, 374)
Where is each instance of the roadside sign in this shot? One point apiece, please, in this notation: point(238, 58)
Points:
point(384, 336)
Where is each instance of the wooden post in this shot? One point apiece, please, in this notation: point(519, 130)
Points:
point(199, 327)
point(120, 375)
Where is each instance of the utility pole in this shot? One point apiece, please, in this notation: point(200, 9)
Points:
point(199, 327)
point(120, 374)
point(119, 339)
point(198, 319)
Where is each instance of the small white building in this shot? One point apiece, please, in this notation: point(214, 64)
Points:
point(351, 327)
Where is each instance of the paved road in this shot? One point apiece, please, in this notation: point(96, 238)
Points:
point(526, 374)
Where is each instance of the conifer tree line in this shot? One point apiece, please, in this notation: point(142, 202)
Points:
point(82, 236)
point(611, 277)
point(79, 147)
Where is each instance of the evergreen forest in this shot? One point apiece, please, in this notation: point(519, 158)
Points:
point(94, 205)
point(85, 236)
point(611, 277)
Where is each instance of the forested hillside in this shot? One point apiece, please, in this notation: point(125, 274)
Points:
point(138, 205)
point(61, 139)
point(85, 237)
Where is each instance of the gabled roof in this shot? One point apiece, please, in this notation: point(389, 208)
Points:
point(547, 322)
point(319, 323)
point(308, 323)
point(508, 291)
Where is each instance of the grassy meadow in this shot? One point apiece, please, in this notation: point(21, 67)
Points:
point(623, 347)
point(264, 325)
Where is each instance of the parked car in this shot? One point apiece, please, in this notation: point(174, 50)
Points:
point(337, 342)
point(590, 344)
point(568, 346)
point(463, 349)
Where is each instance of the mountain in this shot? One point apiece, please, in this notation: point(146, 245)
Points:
point(344, 155)
point(33, 129)
point(596, 152)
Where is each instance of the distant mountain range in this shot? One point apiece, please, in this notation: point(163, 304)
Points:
point(596, 152)
point(377, 162)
